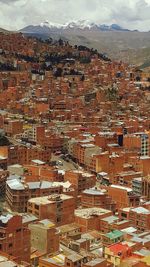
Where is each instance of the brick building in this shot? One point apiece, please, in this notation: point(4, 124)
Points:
point(24, 154)
point(14, 237)
point(139, 217)
point(80, 180)
point(123, 196)
point(96, 197)
point(13, 127)
point(90, 218)
point(19, 192)
point(58, 208)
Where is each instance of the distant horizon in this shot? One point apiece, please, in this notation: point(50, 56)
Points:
point(63, 24)
point(129, 14)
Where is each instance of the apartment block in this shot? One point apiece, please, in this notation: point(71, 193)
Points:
point(18, 192)
point(80, 180)
point(14, 237)
point(123, 196)
point(58, 208)
point(44, 237)
point(96, 197)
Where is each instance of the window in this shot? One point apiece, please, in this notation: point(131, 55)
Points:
point(18, 230)
point(124, 215)
point(10, 245)
point(36, 207)
point(58, 219)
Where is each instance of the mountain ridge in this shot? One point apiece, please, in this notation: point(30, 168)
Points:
point(47, 27)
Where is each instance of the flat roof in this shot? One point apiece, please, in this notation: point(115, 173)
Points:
point(28, 217)
point(114, 234)
point(37, 161)
point(110, 219)
point(5, 218)
point(129, 230)
point(68, 227)
point(45, 224)
point(48, 199)
point(58, 259)
point(95, 262)
point(141, 210)
point(17, 184)
point(94, 191)
point(86, 174)
point(89, 212)
point(7, 263)
point(122, 187)
point(143, 252)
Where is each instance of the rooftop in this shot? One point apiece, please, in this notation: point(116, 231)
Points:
point(49, 199)
point(95, 262)
point(46, 224)
point(5, 218)
point(88, 213)
point(58, 259)
point(5, 262)
point(129, 230)
point(17, 184)
point(114, 234)
point(122, 188)
point(110, 219)
point(94, 191)
point(118, 248)
point(141, 210)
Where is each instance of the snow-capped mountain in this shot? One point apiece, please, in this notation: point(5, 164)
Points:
point(81, 24)
point(48, 27)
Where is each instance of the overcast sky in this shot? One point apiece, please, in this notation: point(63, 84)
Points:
point(133, 14)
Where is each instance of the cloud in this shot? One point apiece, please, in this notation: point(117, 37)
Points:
point(7, 2)
point(15, 14)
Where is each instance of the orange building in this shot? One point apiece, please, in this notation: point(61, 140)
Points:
point(18, 192)
point(15, 238)
point(123, 196)
point(95, 197)
point(58, 208)
point(12, 127)
point(90, 218)
point(80, 180)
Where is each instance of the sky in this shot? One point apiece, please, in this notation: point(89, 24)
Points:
point(131, 14)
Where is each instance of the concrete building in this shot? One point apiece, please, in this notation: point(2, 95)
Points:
point(44, 237)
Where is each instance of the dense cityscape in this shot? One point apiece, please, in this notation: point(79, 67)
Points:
point(74, 156)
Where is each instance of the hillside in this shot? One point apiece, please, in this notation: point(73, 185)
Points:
point(119, 43)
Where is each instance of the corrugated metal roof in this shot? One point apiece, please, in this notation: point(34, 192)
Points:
point(15, 184)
